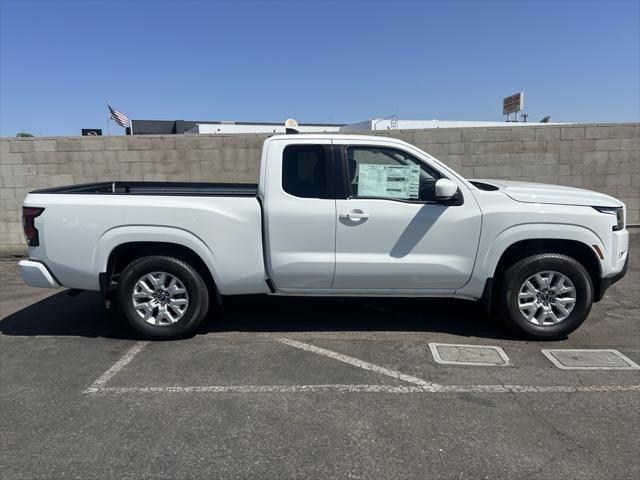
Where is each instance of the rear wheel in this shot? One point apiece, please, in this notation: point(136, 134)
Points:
point(545, 296)
point(163, 297)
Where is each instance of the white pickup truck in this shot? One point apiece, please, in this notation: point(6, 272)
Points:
point(332, 215)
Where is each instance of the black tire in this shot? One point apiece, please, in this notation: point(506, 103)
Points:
point(193, 283)
point(514, 278)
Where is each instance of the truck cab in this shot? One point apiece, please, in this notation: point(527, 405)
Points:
point(361, 215)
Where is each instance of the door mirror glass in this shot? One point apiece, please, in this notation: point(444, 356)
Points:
point(445, 189)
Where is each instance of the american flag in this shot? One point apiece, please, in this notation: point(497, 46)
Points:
point(119, 117)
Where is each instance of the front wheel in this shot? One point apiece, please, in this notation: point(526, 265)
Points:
point(162, 297)
point(545, 296)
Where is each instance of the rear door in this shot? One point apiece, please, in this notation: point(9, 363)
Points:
point(300, 213)
point(391, 234)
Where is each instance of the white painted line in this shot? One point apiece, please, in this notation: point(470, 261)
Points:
point(498, 350)
point(264, 389)
point(418, 385)
point(338, 388)
point(550, 354)
point(537, 388)
point(115, 368)
point(357, 363)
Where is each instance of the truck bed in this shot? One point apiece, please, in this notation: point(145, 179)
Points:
point(186, 189)
point(81, 225)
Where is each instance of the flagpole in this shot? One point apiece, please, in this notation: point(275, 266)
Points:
point(108, 119)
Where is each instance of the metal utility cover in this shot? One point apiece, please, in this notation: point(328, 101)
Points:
point(589, 359)
point(478, 355)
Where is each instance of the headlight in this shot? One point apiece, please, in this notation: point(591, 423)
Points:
point(618, 212)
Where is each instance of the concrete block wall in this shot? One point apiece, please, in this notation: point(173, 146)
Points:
point(603, 157)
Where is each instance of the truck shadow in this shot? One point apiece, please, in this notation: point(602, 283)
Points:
point(63, 315)
point(297, 314)
point(84, 316)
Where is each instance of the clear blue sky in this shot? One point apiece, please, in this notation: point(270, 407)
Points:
point(314, 61)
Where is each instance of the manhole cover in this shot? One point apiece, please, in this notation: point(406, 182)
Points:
point(480, 355)
point(583, 359)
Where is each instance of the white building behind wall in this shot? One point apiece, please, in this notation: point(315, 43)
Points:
point(226, 127)
point(251, 127)
point(398, 124)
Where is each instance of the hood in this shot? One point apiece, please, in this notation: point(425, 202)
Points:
point(530, 192)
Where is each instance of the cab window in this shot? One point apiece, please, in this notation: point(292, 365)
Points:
point(304, 171)
point(389, 173)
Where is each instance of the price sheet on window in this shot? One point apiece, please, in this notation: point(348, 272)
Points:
point(391, 181)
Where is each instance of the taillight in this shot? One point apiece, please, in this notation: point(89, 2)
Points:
point(29, 215)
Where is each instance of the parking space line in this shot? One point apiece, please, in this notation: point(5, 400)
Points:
point(356, 362)
point(115, 368)
point(339, 388)
point(418, 385)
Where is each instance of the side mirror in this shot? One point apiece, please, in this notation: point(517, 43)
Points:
point(445, 190)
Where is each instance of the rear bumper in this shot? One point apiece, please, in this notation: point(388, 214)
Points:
point(36, 274)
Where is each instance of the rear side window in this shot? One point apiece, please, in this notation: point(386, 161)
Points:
point(304, 171)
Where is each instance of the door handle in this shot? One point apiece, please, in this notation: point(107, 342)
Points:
point(354, 215)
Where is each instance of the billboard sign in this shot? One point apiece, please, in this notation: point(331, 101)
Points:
point(513, 103)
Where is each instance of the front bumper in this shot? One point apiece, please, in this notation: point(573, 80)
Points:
point(618, 253)
point(36, 274)
point(605, 283)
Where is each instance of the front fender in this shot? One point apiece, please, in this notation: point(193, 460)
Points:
point(534, 231)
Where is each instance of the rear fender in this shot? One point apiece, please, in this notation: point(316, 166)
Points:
point(144, 233)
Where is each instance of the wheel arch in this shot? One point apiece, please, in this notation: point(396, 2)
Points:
point(119, 247)
point(577, 250)
point(125, 253)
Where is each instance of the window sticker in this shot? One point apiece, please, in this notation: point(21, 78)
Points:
point(391, 181)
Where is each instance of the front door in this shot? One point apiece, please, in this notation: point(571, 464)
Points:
point(392, 235)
